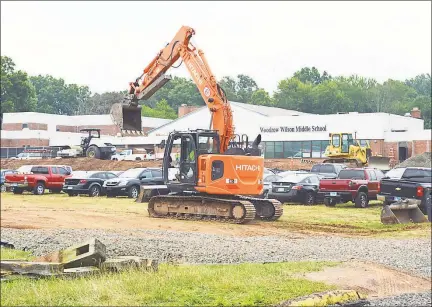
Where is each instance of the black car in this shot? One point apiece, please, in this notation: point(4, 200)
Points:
point(296, 187)
point(90, 183)
point(128, 183)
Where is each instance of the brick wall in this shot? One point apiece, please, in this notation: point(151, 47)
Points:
point(422, 146)
point(30, 126)
point(105, 129)
point(62, 128)
point(183, 110)
point(377, 147)
point(24, 142)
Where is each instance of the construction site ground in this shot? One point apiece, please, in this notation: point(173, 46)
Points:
point(41, 224)
point(87, 164)
point(391, 264)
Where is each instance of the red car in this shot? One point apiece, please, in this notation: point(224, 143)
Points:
point(358, 185)
point(39, 178)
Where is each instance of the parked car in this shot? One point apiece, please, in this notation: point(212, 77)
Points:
point(328, 170)
point(358, 185)
point(128, 183)
point(3, 173)
point(296, 187)
point(406, 182)
point(39, 178)
point(267, 183)
point(90, 183)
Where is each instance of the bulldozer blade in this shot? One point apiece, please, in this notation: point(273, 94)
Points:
point(126, 117)
point(154, 87)
point(381, 163)
point(402, 214)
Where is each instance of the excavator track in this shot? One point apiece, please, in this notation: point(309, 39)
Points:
point(266, 209)
point(201, 208)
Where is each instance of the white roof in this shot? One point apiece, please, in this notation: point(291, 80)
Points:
point(75, 120)
point(267, 111)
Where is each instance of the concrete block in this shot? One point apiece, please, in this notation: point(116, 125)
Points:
point(122, 263)
point(27, 267)
point(90, 253)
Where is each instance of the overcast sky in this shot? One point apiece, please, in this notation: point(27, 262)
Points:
point(107, 44)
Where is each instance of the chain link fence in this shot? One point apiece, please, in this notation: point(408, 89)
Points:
point(11, 152)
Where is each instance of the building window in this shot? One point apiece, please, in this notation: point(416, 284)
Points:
point(279, 150)
point(296, 149)
point(24, 126)
point(269, 150)
point(306, 149)
point(316, 149)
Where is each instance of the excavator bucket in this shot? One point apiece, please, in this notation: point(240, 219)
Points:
point(381, 163)
point(402, 213)
point(127, 118)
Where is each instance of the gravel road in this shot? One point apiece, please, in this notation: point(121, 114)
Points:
point(413, 255)
point(410, 299)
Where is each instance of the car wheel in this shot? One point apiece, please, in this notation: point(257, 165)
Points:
point(94, 191)
point(133, 192)
point(17, 191)
point(329, 202)
point(3, 188)
point(309, 199)
point(361, 200)
point(39, 189)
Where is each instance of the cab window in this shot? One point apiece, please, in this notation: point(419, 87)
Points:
point(336, 140)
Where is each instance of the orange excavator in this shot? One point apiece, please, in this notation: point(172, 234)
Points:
point(219, 174)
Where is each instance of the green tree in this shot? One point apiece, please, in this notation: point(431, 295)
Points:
point(261, 97)
point(57, 97)
point(311, 75)
point(422, 84)
point(17, 93)
point(162, 110)
point(240, 89)
point(98, 103)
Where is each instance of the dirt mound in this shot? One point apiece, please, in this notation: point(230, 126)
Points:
point(88, 164)
point(82, 164)
point(423, 160)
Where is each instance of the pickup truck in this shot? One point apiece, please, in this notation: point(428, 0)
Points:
point(358, 185)
point(129, 155)
point(39, 178)
point(407, 182)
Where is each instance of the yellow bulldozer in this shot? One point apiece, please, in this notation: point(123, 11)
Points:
point(343, 148)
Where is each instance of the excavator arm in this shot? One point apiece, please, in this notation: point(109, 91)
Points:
point(153, 78)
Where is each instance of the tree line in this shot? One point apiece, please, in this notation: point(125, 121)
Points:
point(308, 90)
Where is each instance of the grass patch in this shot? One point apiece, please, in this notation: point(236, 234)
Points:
point(346, 219)
point(186, 285)
point(14, 254)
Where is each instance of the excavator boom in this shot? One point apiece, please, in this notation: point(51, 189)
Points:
point(125, 114)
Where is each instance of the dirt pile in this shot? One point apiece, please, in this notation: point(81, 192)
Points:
point(88, 164)
point(423, 160)
point(82, 164)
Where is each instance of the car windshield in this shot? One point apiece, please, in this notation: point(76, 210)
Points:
point(131, 173)
point(351, 174)
point(294, 178)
